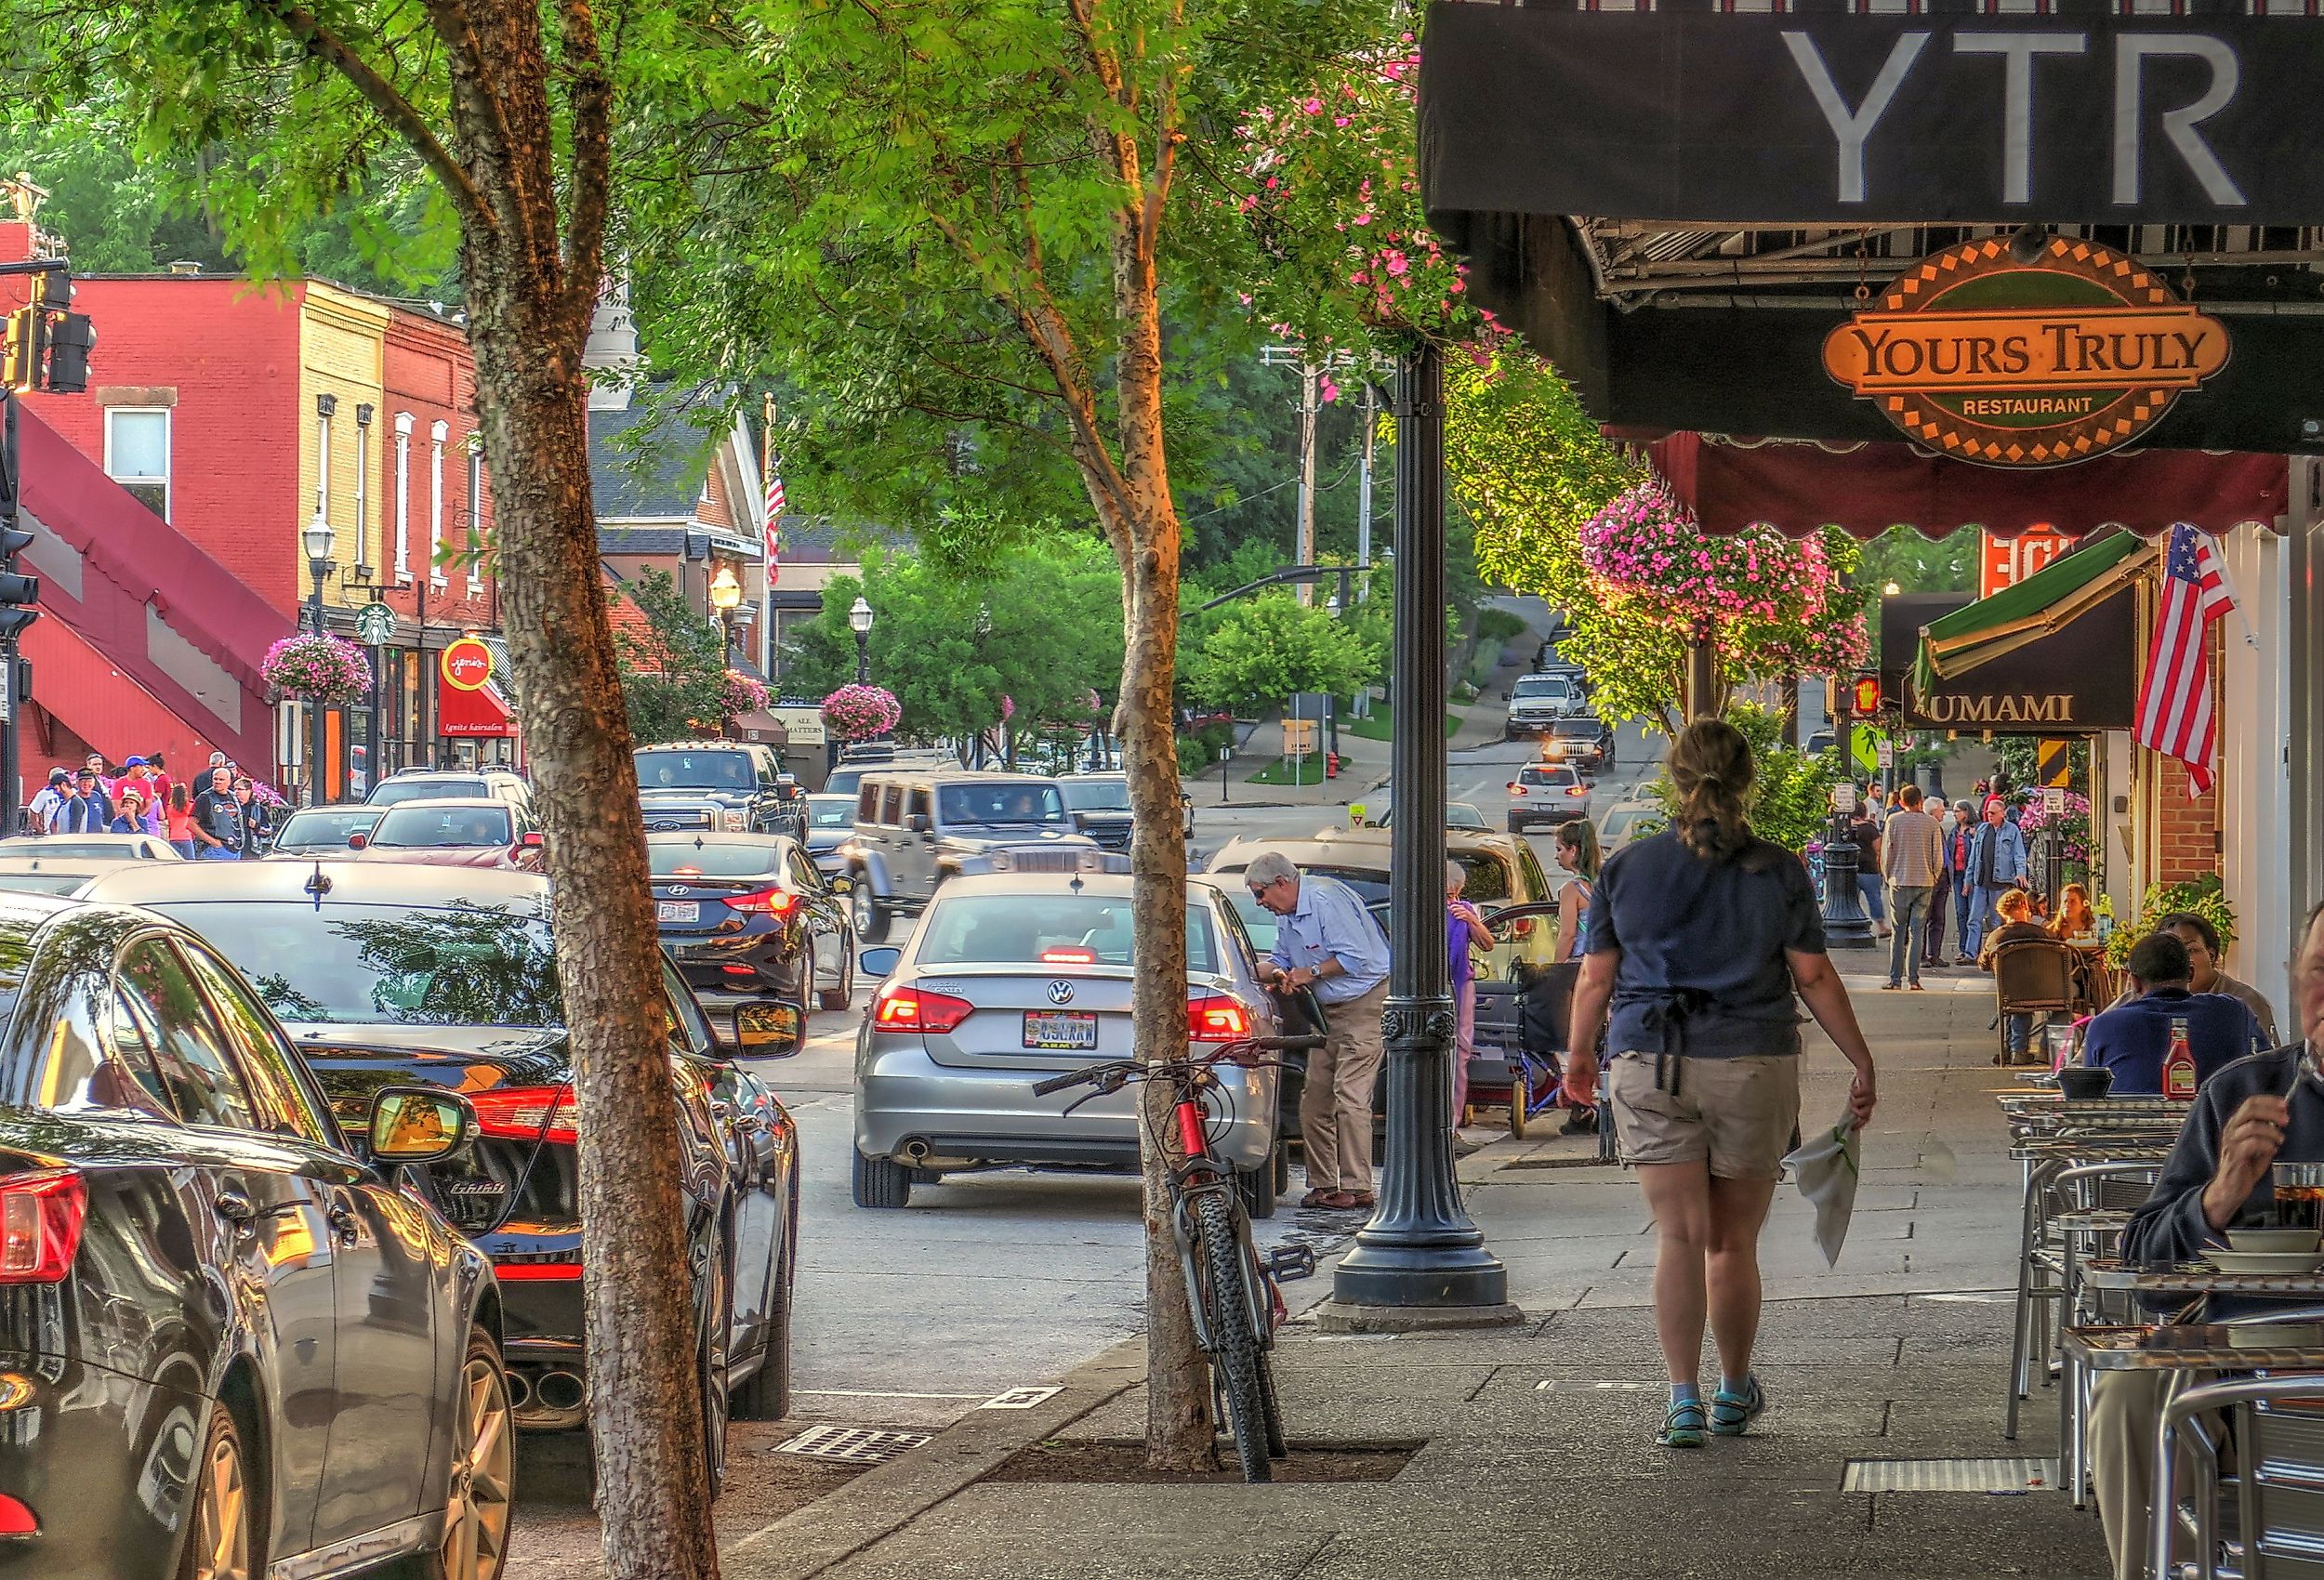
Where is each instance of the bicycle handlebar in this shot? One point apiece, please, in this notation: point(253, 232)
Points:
point(1091, 1073)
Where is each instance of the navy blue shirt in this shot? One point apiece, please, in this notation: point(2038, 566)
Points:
point(2131, 1040)
point(1703, 971)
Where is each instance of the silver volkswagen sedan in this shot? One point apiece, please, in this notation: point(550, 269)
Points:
point(1011, 978)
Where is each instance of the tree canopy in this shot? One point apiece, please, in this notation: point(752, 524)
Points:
point(1271, 646)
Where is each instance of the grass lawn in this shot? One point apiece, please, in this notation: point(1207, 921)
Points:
point(1311, 771)
point(1377, 727)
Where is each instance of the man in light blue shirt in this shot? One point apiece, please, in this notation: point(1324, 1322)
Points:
point(1327, 942)
point(1996, 859)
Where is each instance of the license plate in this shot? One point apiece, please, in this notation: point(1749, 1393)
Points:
point(1070, 1029)
point(678, 910)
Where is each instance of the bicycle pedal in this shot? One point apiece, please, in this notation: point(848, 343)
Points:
point(1290, 1261)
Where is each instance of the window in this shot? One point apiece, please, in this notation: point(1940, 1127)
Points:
point(475, 515)
point(891, 804)
point(285, 1105)
point(868, 804)
point(363, 489)
point(437, 433)
point(922, 805)
point(137, 454)
point(402, 497)
point(154, 994)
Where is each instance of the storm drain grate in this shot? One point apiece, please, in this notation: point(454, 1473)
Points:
point(852, 1445)
point(1950, 1476)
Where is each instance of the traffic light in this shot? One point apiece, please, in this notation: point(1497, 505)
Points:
point(1866, 700)
point(48, 344)
point(71, 339)
point(17, 592)
point(21, 359)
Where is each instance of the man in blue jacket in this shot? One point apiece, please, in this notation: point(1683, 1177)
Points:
point(2131, 1038)
point(1996, 859)
point(2257, 1112)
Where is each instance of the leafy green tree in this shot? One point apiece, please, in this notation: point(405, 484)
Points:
point(1269, 647)
point(278, 112)
point(1918, 565)
point(952, 232)
point(674, 670)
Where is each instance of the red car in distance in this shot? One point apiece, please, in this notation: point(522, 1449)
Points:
point(466, 832)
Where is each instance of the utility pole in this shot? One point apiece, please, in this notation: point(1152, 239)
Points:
point(1303, 552)
point(1364, 488)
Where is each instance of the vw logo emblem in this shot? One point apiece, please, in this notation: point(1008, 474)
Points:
point(1060, 992)
point(680, 889)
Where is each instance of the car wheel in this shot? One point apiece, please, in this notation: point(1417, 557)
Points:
point(879, 1182)
point(865, 912)
point(224, 1539)
point(1257, 1187)
point(477, 1504)
point(844, 994)
point(767, 1395)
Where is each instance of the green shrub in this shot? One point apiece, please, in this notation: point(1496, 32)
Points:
point(1194, 756)
point(2201, 897)
point(1498, 627)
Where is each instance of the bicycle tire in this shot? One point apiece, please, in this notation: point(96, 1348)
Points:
point(1276, 1447)
point(1234, 1353)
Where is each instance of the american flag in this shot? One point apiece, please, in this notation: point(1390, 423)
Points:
point(775, 499)
point(2174, 714)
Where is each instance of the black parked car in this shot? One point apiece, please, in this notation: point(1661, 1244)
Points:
point(235, 1347)
point(722, 786)
point(749, 916)
point(398, 974)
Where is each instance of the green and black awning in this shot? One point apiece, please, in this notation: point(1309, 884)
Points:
point(2039, 606)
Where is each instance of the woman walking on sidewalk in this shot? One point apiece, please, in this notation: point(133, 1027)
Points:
point(1699, 938)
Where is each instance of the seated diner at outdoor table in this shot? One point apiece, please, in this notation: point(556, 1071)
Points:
point(2265, 1109)
point(2016, 907)
point(2131, 1038)
point(2202, 951)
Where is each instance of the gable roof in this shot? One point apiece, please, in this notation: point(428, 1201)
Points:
point(641, 479)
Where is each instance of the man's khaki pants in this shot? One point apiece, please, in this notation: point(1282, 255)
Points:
point(2125, 1409)
point(1336, 1104)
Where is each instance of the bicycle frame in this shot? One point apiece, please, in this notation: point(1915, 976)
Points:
point(1199, 1175)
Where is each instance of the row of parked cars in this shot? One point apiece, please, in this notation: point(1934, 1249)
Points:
point(289, 1216)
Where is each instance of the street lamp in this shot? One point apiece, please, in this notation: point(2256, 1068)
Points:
point(317, 539)
point(1891, 589)
point(726, 596)
point(859, 620)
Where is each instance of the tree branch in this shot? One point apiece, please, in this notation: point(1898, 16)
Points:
point(383, 97)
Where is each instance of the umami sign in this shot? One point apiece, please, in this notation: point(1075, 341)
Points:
point(2012, 365)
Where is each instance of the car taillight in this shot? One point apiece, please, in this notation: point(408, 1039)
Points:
point(1216, 1020)
point(1069, 956)
point(1515, 788)
point(1574, 790)
point(918, 1009)
point(40, 1225)
point(528, 1113)
point(537, 1272)
point(766, 902)
point(16, 1519)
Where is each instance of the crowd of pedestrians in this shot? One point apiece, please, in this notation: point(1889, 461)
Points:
point(224, 815)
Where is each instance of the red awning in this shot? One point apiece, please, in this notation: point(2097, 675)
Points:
point(481, 712)
point(1867, 489)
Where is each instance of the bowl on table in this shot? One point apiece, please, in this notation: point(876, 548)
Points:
point(2292, 1241)
point(2083, 1085)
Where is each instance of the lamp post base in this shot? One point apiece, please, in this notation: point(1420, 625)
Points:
point(1337, 1316)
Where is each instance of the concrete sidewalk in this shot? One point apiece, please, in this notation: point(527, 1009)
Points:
point(1536, 1456)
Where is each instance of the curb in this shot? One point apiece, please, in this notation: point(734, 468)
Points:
point(815, 1538)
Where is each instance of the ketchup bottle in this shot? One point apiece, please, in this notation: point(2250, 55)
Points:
point(2178, 1065)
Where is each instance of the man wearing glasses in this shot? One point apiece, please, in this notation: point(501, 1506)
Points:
point(1327, 942)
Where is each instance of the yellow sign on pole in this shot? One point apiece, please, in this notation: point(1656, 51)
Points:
point(1298, 737)
point(2052, 763)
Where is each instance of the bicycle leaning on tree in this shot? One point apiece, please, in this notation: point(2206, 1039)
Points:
point(1230, 1288)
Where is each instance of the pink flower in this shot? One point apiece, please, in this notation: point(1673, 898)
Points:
point(1313, 106)
point(1395, 263)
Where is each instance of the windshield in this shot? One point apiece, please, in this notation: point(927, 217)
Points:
point(1551, 776)
point(1541, 686)
point(1621, 820)
point(46, 881)
point(694, 771)
point(323, 830)
point(830, 812)
point(443, 828)
point(703, 858)
point(1011, 929)
point(1001, 801)
point(1577, 729)
point(425, 789)
point(1095, 795)
point(386, 965)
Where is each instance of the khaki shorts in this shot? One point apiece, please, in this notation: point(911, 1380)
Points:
point(1737, 1114)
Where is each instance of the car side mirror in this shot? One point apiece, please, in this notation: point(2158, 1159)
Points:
point(531, 841)
point(918, 823)
point(769, 1030)
point(357, 841)
point(879, 962)
point(418, 1123)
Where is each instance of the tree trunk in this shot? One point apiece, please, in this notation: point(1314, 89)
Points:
point(645, 1414)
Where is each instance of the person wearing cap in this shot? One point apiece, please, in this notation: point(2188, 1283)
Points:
point(42, 814)
point(130, 818)
point(86, 811)
point(135, 772)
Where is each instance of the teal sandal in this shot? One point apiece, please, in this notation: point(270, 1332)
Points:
point(1732, 1413)
point(1682, 1425)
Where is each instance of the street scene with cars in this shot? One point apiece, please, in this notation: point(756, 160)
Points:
point(1303, 789)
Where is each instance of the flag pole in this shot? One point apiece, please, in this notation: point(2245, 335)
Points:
point(766, 536)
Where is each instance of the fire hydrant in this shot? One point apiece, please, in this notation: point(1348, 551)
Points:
point(1332, 765)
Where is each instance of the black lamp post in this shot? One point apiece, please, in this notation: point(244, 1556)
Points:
point(1420, 1263)
point(859, 620)
point(318, 538)
point(726, 596)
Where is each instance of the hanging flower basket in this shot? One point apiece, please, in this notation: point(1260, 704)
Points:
point(739, 695)
point(861, 713)
point(320, 668)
